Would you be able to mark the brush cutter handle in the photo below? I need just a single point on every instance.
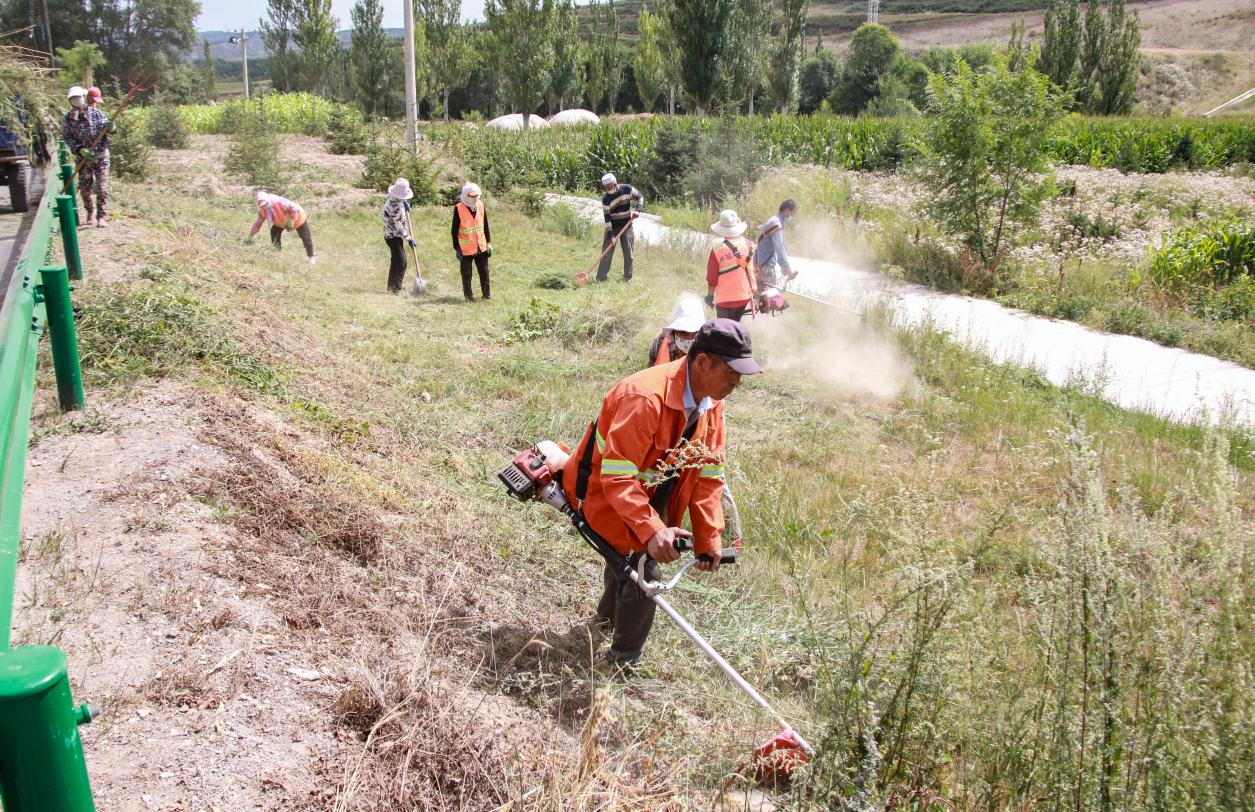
(725, 558)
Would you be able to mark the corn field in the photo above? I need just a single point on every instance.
(299, 113)
(575, 158)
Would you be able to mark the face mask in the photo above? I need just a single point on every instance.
(78, 101)
(788, 218)
(683, 344)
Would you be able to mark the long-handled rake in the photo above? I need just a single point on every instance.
(614, 240)
(419, 287)
(140, 77)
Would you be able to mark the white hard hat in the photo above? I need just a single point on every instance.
(689, 315)
(608, 179)
(76, 90)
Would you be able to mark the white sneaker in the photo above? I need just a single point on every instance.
(311, 260)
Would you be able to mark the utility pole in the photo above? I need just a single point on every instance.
(411, 81)
(873, 11)
(242, 40)
(46, 29)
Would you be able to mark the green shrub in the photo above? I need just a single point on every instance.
(130, 156)
(165, 127)
(347, 132)
(254, 150)
(1204, 256)
(1232, 302)
(387, 159)
(924, 261)
(662, 171)
(728, 164)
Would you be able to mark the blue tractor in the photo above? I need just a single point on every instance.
(15, 165)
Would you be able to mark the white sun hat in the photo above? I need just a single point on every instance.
(76, 90)
(689, 315)
(401, 190)
(608, 179)
(729, 225)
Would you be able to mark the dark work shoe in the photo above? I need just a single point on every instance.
(470, 298)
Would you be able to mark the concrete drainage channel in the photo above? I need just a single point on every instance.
(1128, 372)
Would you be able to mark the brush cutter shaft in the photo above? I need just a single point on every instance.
(723, 664)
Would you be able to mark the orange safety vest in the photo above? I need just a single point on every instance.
(471, 229)
(285, 214)
(736, 276)
(664, 351)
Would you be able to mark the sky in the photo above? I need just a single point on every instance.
(227, 15)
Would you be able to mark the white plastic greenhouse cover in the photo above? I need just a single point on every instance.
(514, 121)
(572, 117)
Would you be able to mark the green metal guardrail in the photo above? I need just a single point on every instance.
(41, 756)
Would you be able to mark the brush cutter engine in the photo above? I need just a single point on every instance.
(530, 475)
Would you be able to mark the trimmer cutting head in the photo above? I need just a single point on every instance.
(777, 758)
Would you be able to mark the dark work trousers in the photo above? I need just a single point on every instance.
(734, 313)
(628, 610)
(627, 242)
(481, 264)
(397, 266)
(276, 237)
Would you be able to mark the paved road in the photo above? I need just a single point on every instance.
(1128, 372)
(13, 229)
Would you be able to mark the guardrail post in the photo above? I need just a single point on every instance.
(63, 336)
(69, 235)
(41, 755)
(68, 185)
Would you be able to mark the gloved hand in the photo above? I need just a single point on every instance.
(709, 300)
(412, 244)
(86, 153)
(458, 253)
(489, 251)
(110, 127)
(406, 204)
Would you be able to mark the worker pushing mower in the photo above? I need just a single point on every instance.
(654, 453)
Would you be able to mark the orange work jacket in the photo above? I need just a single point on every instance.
(471, 229)
(736, 275)
(641, 421)
(664, 351)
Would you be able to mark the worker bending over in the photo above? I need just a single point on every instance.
(674, 340)
(654, 454)
(472, 240)
(282, 215)
(620, 204)
(730, 279)
(771, 258)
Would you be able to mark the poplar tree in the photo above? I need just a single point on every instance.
(786, 56)
(448, 47)
(1061, 43)
(208, 77)
(747, 51)
(315, 32)
(702, 31)
(277, 29)
(1119, 63)
(605, 57)
(568, 56)
(370, 55)
(648, 60)
(521, 33)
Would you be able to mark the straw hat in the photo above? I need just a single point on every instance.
(401, 190)
(729, 225)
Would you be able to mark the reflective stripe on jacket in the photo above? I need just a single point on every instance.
(471, 239)
(736, 283)
(640, 421)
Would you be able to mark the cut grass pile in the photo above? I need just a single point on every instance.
(980, 590)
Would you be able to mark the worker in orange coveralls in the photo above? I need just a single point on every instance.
(654, 454)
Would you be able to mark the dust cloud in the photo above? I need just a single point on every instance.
(838, 351)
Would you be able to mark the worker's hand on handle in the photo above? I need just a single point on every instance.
(412, 243)
(662, 545)
(709, 563)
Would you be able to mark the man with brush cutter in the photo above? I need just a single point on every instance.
(654, 453)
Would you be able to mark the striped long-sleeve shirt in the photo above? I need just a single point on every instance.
(617, 206)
